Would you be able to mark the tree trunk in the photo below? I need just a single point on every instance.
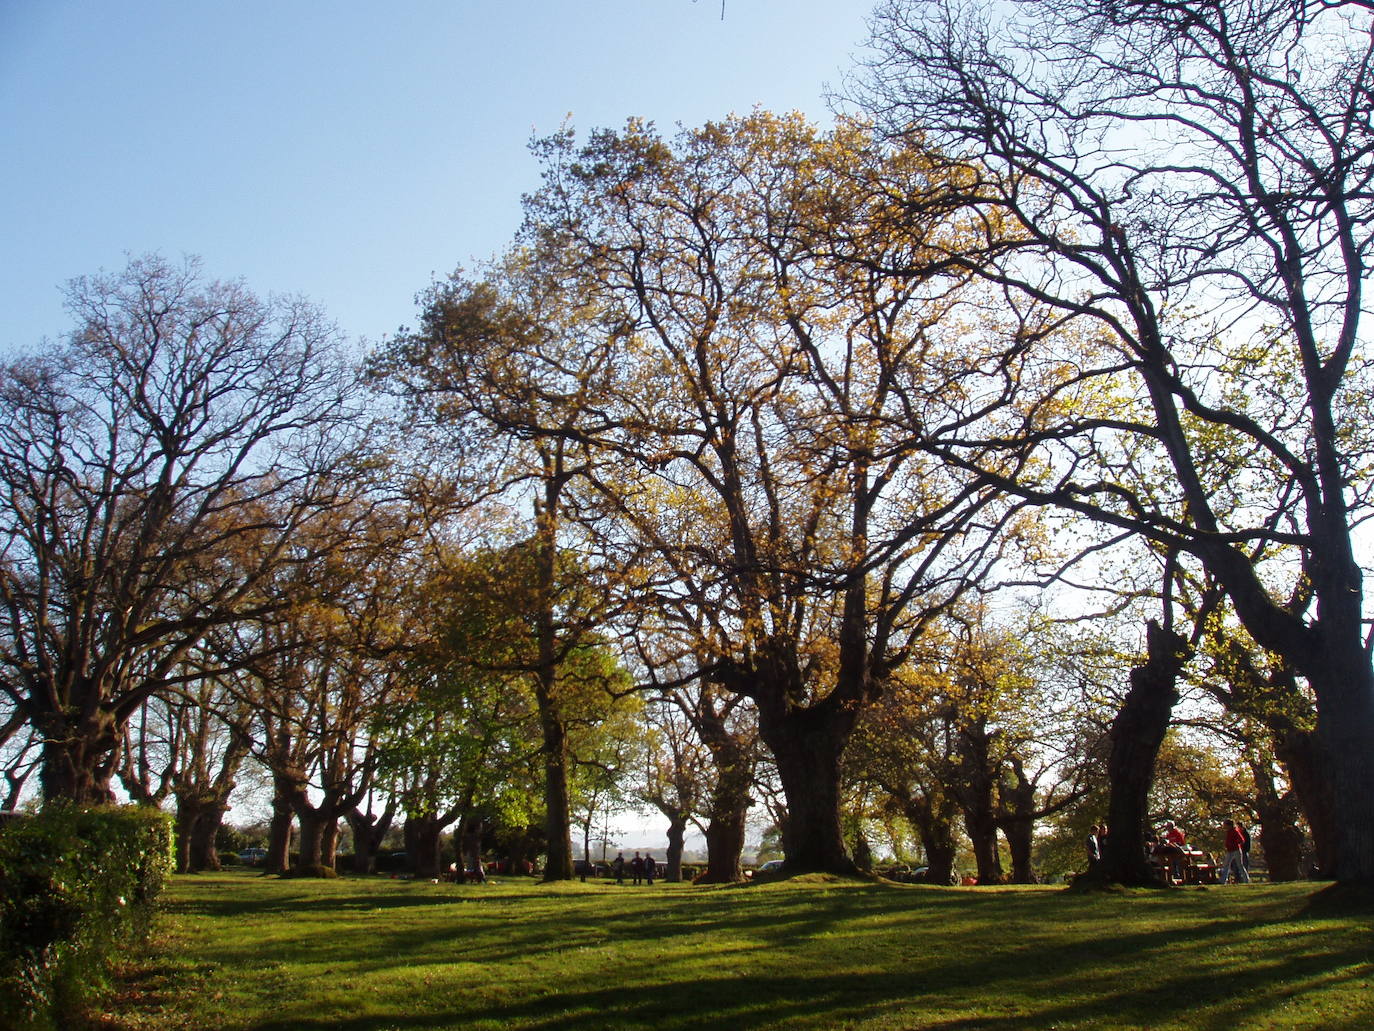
(1137, 733)
(423, 845)
(368, 833)
(1019, 830)
(185, 823)
(521, 846)
(278, 858)
(1016, 819)
(934, 822)
(677, 838)
(977, 798)
(557, 799)
(204, 852)
(1301, 753)
(558, 865)
(469, 836)
(79, 759)
(806, 745)
(1279, 834)
(329, 842)
(734, 760)
(313, 822)
(726, 826)
(981, 826)
(725, 834)
(1345, 726)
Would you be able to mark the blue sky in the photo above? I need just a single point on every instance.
(347, 151)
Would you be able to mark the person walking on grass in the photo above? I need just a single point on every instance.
(1235, 854)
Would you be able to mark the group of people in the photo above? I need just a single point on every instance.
(1169, 849)
(642, 868)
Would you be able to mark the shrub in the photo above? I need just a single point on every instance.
(76, 887)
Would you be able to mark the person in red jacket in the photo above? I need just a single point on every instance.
(1235, 854)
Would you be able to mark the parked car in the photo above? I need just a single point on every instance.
(772, 866)
(253, 855)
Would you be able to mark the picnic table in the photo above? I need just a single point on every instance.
(1184, 864)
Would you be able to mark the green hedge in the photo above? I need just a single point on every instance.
(77, 886)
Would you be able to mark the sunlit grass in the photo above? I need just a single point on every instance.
(239, 951)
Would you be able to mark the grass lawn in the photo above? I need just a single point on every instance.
(241, 951)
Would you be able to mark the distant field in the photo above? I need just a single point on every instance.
(242, 951)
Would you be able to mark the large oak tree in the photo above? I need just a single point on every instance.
(155, 468)
(1187, 186)
(756, 406)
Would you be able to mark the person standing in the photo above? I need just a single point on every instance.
(636, 868)
(650, 868)
(1235, 854)
(618, 867)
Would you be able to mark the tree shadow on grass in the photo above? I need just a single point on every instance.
(1341, 900)
(848, 999)
(956, 992)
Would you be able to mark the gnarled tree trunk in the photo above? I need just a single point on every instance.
(1279, 834)
(933, 817)
(278, 859)
(977, 798)
(1137, 733)
(677, 838)
(806, 746)
(422, 845)
(79, 757)
(368, 834)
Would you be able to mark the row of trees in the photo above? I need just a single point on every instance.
(767, 422)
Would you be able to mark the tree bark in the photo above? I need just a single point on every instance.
(725, 834)
(807, 745)
(311, 856)
(734, 762)
(558, 865)
(368, 833)
(977, 798)
(934, 822)
(185, 823)
(1345, 727)
(278, 859)
(422, 836)
(557, 798)
(730, 802)
(469, 838)
(204, 853)
(1279, 834)
(1301, 753)
(1017, 813)
(329, 842)
(79, 757)
(981, 826)
(1137, 733)
(677, 837)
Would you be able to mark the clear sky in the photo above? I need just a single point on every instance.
(346, 150)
